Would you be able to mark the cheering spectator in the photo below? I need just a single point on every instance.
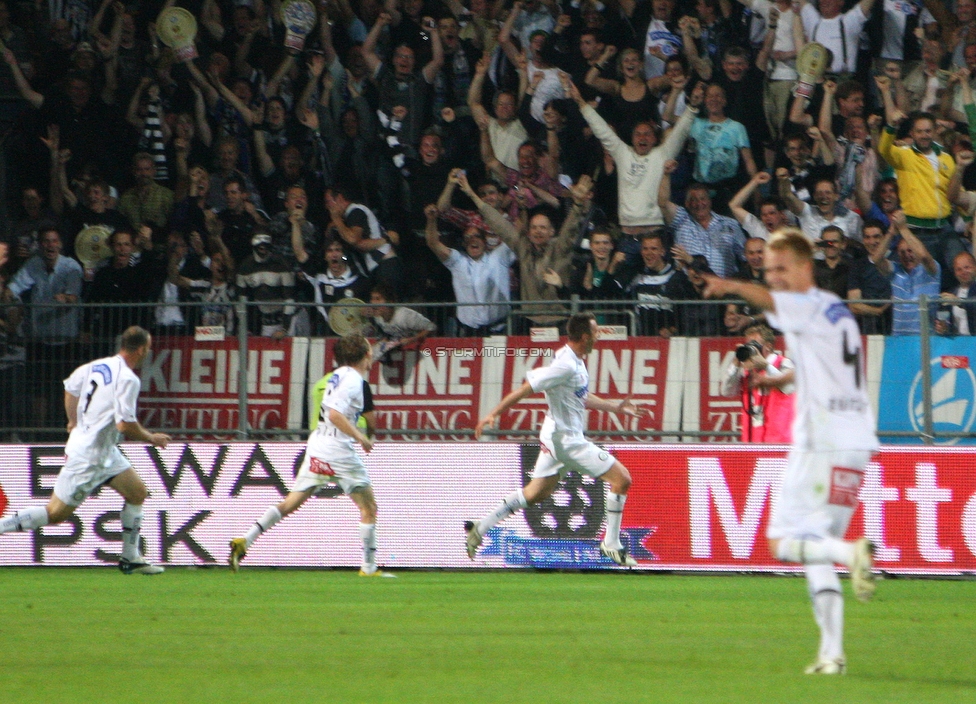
(838, 32)
(400, 86)
(654, 283)
(699, 229)
(331, 277)
(867, 281)
(478, 277)
(923, 170)
(539, 252)
(720, 145)
(825, 211)
(358, 227)
(237, 223)
(915, 274)
(640, 168)
(772, 211)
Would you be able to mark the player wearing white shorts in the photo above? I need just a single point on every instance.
(563, 447)
(100, 401)
(330, 456)
(833, 435)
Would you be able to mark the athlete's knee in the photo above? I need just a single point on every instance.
(57, 512)
(137, 495)
(622, 485)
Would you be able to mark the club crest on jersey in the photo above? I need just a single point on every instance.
(104, 370)
(838, 311)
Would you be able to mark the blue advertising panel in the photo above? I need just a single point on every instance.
(953, 388)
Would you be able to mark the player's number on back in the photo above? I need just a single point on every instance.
(853, 358)
(88, 398)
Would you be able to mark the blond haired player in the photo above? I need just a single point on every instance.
(833, 435)
(330, 456)
(563, 447)
(100, 401)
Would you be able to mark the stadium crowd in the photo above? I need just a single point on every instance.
(482, 152)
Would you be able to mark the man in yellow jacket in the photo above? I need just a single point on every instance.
(923, 170)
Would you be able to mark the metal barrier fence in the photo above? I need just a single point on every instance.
(40, 344)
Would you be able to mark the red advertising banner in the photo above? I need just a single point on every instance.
(691, 507)
(194, 385)
(918, 505)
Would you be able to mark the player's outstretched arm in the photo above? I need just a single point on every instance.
(133, 430)
(624, 407)
(753, 294)
(489, 420)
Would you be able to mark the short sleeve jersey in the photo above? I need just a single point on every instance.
(565, 383)
(824, 342)
(343, 393)
(107, 391)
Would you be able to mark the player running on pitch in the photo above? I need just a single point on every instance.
(833, 435)
(563, 446)
(330, 456)
(100, 400)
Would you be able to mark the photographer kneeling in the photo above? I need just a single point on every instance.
(763, 380)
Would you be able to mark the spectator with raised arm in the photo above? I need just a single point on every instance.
(640, 167)
(924, 170)
(838, 31)
(915, 273)
(655, 284)
(479, 276)
(539, 250)
(700, 230)
(772, 210)
(505, 132)
(826, 209)
(722, 150)
(867, 281)
(400, 85)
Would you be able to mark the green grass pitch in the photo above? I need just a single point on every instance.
(94, 635)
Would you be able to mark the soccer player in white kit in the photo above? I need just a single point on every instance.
(100, 401)
(833, 435)
(330, 456)
(563, 447)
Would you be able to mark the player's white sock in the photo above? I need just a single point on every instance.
(512, 503)
(24, 519)
(367, 532)
(828, 609)
(131, 527)
(615, 513)
(265, 523)
(815, 551)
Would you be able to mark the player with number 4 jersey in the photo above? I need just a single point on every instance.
(100, 401)
(833, 435)
(330, 455)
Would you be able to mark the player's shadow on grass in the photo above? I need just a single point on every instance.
(946, 682)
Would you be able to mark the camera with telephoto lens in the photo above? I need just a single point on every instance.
(748, 350)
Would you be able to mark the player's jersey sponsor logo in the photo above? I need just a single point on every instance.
(953, 394)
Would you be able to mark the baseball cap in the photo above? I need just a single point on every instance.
(260, 239)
